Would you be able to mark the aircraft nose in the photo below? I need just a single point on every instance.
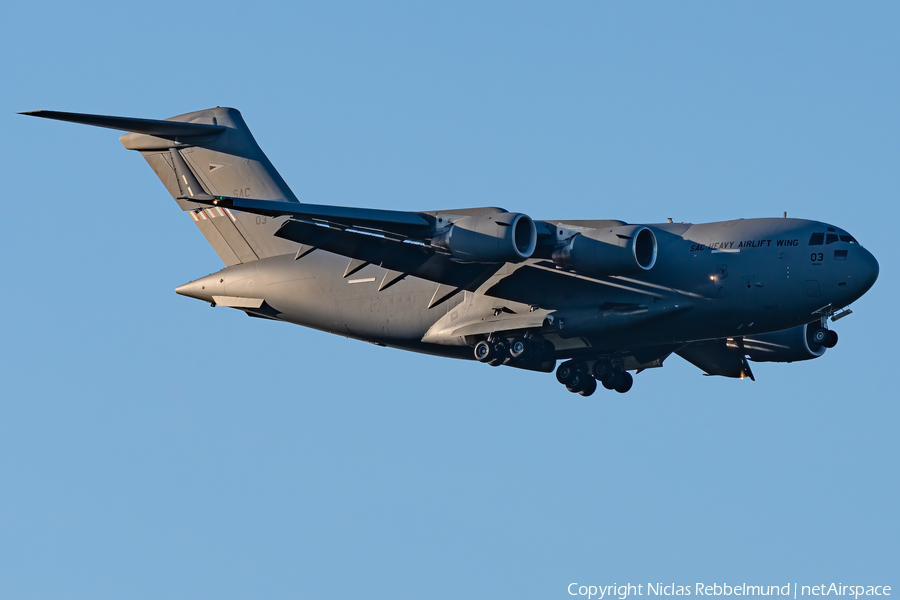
(865, 270)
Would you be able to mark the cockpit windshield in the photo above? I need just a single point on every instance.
(819, 238)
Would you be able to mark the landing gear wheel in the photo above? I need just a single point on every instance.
(601, 369)
(819, 336)
(832, 340)
(483, 351)
(566, 373)
(519, 348)
(589, 388)
(578, 384)
(625, 382)
(500, 354)
(611, 379)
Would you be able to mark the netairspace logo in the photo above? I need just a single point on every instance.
(622, 592)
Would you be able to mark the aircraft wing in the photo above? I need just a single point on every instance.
(402, 258)
(391, 222)
(409, 225)
(540, 283)
(536, 284)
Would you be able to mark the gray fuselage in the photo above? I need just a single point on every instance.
(741, 277)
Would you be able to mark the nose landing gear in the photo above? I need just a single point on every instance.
(823, 337)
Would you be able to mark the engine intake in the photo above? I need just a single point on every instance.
(788, 345)
(499, 237)
(614, 251)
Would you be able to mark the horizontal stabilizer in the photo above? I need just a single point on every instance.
(162, 129)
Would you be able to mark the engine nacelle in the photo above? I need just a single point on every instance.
(609, 251)
(498, 237)
(788, 345)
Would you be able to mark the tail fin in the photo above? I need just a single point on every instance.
(212, 149)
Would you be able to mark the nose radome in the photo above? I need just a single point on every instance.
(865, 271)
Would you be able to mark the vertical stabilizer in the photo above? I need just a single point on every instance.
(208, 151)
(228, 163)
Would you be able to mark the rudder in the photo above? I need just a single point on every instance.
(228, 163)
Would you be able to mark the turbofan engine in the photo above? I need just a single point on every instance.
(789, 345)
(498, 237)
(610, 251)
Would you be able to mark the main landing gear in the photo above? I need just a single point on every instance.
(531, 351)
(524, 351)
(579, 378)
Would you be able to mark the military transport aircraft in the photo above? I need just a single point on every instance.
(604, 296)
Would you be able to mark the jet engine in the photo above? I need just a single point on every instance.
(498, 237)
(610, 251)
(788, 345)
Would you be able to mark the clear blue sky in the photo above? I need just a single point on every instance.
(153, 447)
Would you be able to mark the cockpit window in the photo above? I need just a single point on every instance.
(818, 238)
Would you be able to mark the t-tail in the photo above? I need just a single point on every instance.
(203, 153)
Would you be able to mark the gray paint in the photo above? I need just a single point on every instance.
(717, 294)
